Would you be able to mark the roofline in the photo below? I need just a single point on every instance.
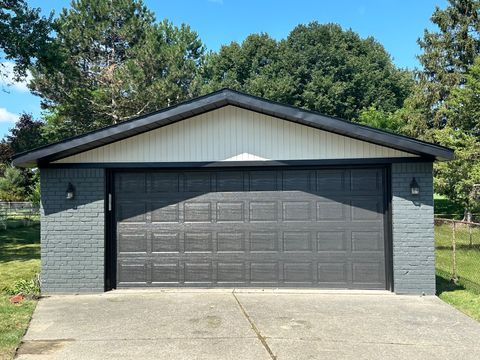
(218, 99)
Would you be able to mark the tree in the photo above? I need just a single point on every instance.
(24, 35)
(318, 67)
(443, 106)
(114, 62)
(457, 178)
(447, 55)
(253, 67)
(381, 119)
(26, 135)
(13, 185)
(463, 106)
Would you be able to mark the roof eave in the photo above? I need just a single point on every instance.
(218, 99)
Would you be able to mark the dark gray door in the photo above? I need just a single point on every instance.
(261, 228)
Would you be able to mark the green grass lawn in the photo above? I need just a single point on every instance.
(19, 260)
(468, 255)
(465, 296)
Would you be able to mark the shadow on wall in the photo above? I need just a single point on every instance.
(164, 194)
(159, 192)
(89, 187)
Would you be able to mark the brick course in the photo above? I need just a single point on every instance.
(72, 231)
(413, 231)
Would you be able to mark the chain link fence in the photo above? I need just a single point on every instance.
(457, 252)
(16, 214)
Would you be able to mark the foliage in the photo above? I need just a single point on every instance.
(447, 55)
(381, 119)
(463, 106)
(318, 67)
(26, 135)
(13, 185)
(24, 34)
(29, 288)
(446, 208)
(34, 190)
(114, 62)
(456, 178)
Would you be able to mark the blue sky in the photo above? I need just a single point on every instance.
(394, 23)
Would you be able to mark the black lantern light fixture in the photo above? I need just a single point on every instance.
(70, 191)
(414, 187)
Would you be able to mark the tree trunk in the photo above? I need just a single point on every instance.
(467, 215)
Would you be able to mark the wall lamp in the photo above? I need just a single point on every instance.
(70, 191)
(414, 187)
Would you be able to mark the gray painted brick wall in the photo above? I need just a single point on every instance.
(413, 231)
(72, 231)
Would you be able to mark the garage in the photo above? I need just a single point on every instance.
(266, 228)
(231, 190)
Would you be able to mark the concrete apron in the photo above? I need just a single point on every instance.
(248, 324)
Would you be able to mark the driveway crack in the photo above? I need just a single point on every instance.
(255, 329)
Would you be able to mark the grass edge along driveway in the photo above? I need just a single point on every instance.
(19, 261)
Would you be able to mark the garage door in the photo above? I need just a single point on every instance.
(261, 228)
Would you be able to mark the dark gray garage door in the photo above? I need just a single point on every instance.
(268, 228)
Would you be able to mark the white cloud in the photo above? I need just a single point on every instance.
(7, 116)
(7, 77)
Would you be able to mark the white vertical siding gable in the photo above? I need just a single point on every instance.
(233, 134)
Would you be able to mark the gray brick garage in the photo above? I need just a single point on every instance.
(230, 190)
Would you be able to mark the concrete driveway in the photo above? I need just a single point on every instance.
(248, 325)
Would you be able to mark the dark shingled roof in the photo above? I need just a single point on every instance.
(215, 100)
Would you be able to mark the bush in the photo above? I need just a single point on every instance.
(28, 288)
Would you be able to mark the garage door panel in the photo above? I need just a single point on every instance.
(331, 182)
(299, 180)
(131, 211)
(165, 211)
(332, 273)
(230, 181)
(198, 272)
(297, 210)
(264, 272)
(261, 211)
(134, 273)
(294, 241)
(263, 241)
(163, 182)
(263, 180)
(311, 228)
(231, 242)
(231, 272)
(166, 273)
(198, 242)
(331, 241)
(133, 242)
(230, 212)
(368, 272)
(330, 210)
(367, 181)
(128, 183)
(367, 241)
(298, 272)
(197, 182)
(166, 242)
